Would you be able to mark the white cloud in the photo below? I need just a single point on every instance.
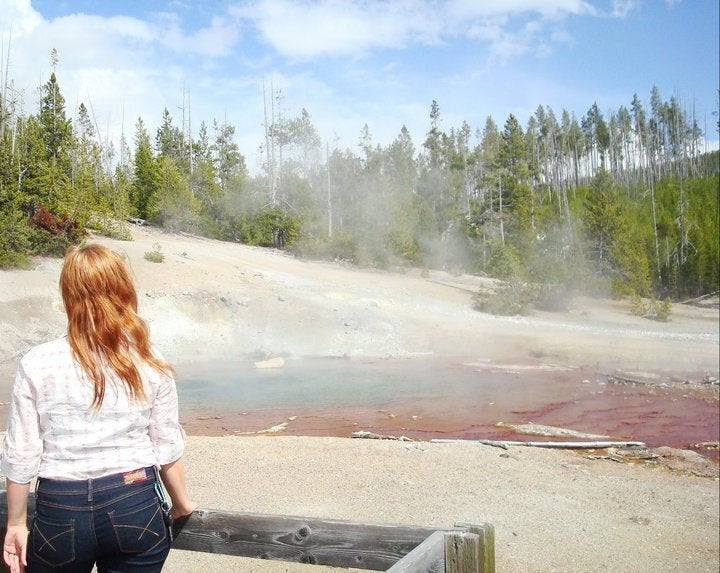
(18, 16)
(464, 9)
(217, 40)
(303, 31)
(119, 65)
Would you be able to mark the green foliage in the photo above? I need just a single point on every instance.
(270, 228)
(404, 245)
(146, 177)
(340, 247)
(510, 298)
(523, 287)
(156, 255)
(603, 220)
(551, 283)
(519, 297)
(15, 238)
(504, 261)
(207, 191)
(174, 206)
(503, 303)
(652, 309)
(48, 244)
(616, 245)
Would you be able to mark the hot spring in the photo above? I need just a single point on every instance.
(427, 398)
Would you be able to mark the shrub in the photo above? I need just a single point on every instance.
(111, 227)
(155, 256)
(652, 309)
(340, 248)
(52, 234)
(504, 261)
(509, 299)
(518, 297)
(15, 238)
(550, 297)
(271, 228)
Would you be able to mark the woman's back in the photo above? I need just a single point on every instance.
(79, 441)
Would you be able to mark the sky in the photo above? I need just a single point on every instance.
(356, 62)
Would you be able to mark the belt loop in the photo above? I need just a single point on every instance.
(90, 489)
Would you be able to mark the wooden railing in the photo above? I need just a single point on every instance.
(462, 548)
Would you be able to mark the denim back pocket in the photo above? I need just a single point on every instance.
(141, 529)
(53, 542)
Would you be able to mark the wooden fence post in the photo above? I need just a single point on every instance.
(486, 547)
(461, 552)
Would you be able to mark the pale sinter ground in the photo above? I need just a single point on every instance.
(553, 511)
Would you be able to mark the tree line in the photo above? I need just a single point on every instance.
(624, 201)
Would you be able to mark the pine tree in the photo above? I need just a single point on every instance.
(603, 220)
(145, 183)
(516, 194)
(616, 246)
(49, 144)
(401, 180)
(175, 207)
(229, 162)
(169, 142)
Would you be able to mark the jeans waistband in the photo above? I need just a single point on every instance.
(138, 476)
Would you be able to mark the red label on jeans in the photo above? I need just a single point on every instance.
(133, 476)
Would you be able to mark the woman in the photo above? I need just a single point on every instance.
(93, 415)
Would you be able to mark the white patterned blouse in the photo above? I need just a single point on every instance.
(53, 431)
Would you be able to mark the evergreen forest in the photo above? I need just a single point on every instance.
(622, 202)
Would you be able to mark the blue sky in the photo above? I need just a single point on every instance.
(356, 62)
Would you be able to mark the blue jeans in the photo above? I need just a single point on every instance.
(114, 521)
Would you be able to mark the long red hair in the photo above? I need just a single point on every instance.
(104, 328)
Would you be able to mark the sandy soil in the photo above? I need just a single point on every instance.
(553, 510)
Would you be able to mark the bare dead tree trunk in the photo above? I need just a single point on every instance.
(329, 192)
(279, 135)
(269, 149)
(4, 85)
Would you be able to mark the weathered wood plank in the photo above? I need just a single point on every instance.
(486, 548)
(461, 552)
(428, 557)
(306, 540)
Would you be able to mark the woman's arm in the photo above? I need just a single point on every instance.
(15, 544)
(169, 440)
(173, 477)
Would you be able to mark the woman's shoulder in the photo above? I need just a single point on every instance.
(53, 350)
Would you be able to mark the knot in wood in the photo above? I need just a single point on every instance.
(302, 533)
